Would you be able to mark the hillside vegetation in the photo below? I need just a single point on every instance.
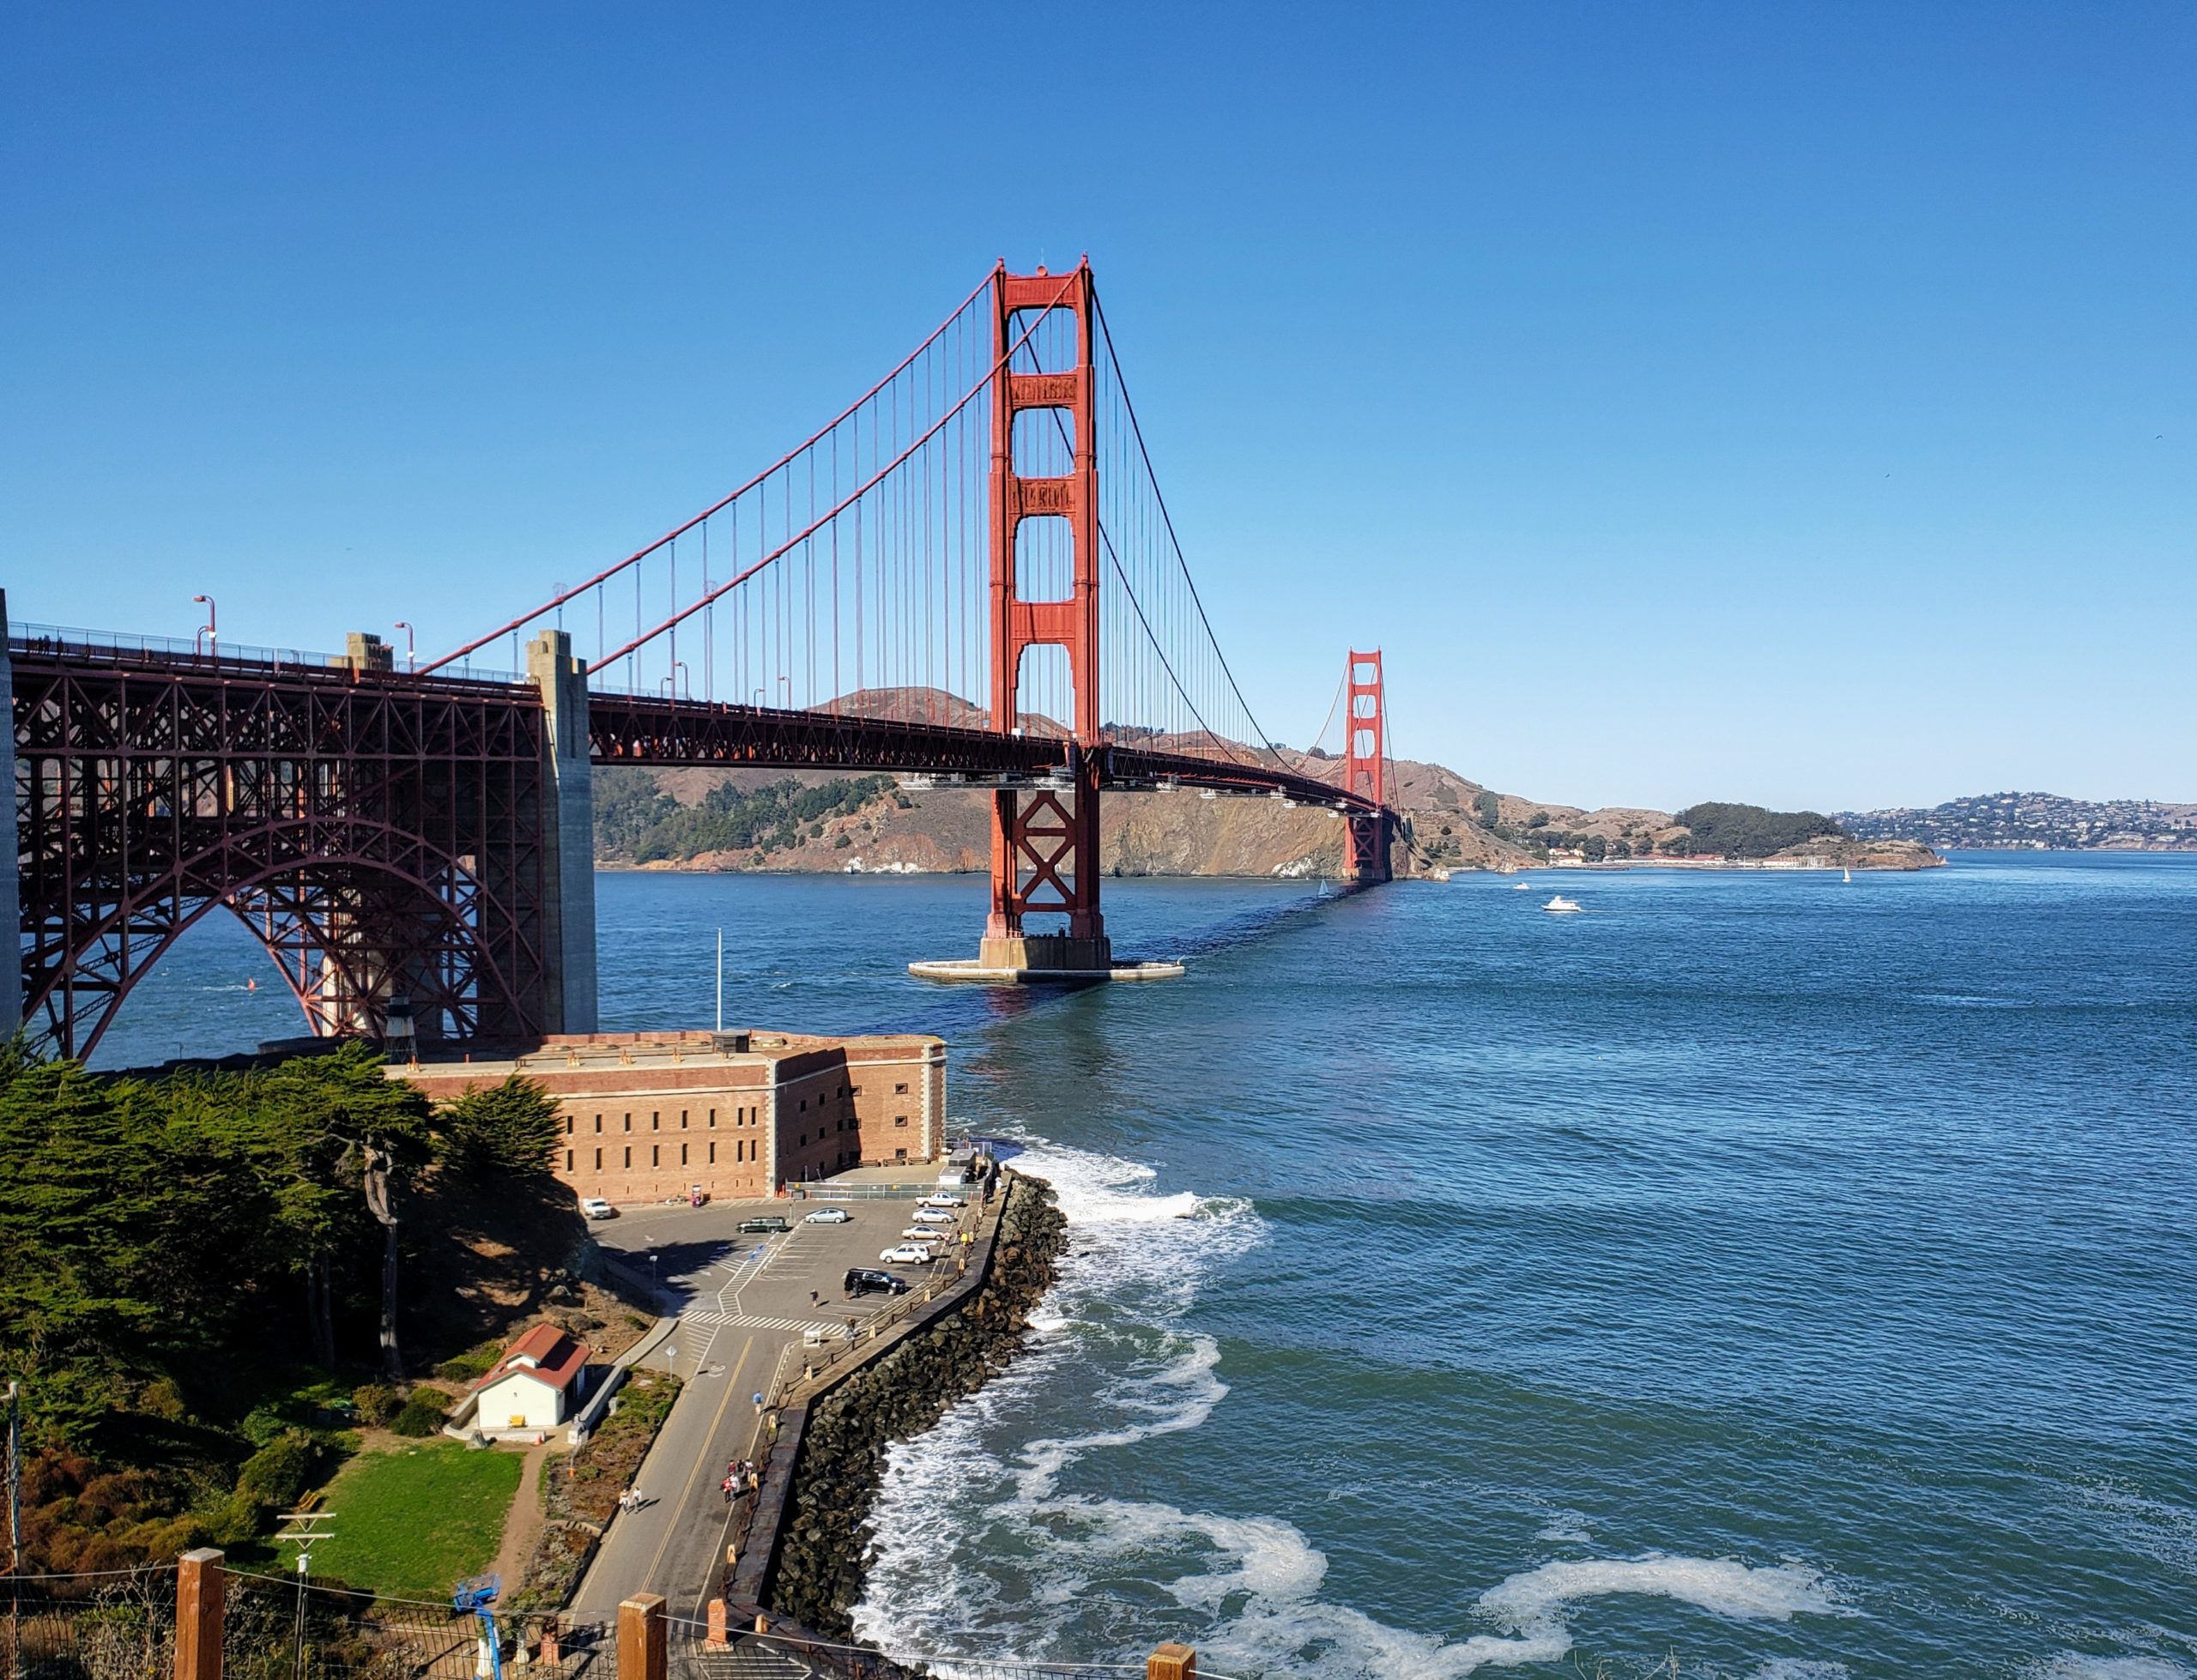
(635, 822)
(1748, 831)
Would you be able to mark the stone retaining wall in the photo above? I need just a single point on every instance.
(815, 1575)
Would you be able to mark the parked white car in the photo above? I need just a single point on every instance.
(932, 1215)
(596, 1208)
(826, 1216)
(908, 1253)
(940, 1201)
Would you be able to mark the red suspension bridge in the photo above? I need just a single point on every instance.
(969, 577)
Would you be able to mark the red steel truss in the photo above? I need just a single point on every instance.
(382, 835)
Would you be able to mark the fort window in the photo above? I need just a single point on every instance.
(900, 1155)
(629, 1155)
(598, 1160)
(656, 1155)
(713, 1153)
(568, 1160)
(682, 1155)
(598, 1123)
(629, 1122)
(713, 1119)
(569, 1124)
(655, 1120)
(900, 1120)
(900, 1090)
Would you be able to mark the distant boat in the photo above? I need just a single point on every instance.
(1846, 874)
(1561, 905)
(1522, 886)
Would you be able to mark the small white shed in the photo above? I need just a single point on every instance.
(536, 1385)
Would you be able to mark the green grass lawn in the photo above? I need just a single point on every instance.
(411, 1521)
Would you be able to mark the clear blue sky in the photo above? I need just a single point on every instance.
(1778, 401)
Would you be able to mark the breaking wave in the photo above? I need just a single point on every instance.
(977, 1550)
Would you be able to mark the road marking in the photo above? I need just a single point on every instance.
(672, 1526)
(746, 1321)
(732, 1386)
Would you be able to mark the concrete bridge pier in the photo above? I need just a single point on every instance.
(568, 834)
(11, 894)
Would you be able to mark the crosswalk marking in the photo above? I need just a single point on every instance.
(746, 1320)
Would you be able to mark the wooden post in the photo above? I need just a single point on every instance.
(199, 1596)
(717, 1640)
(641, 1637)
(549, 1655)
(1171, 1662)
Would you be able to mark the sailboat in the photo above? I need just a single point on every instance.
(1846, 874)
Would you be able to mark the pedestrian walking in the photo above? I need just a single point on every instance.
(816, 1301)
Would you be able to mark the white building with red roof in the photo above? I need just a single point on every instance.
(537, 1384)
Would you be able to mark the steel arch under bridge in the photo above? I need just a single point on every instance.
(388, 836)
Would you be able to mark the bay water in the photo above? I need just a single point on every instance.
(1754, 1275)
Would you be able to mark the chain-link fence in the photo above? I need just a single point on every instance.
(272, 1629)
(123, 1626)
(116, 1625)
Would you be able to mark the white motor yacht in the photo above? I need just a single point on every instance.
(1561, 905)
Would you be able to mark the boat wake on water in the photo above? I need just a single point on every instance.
(981, 1551)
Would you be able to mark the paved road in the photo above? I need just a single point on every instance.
(741, 1301)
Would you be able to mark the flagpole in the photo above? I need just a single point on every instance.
(720, 980)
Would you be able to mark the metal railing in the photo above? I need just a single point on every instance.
(115, 647)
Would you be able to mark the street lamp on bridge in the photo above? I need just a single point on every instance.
(411, 648)
(208, 639)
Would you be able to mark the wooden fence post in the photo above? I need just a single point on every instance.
(717, 1640)
(641, 1630)
(199, 1596)
(1171, 1662)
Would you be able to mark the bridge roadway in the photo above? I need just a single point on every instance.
(635, 729)
(742, 1300)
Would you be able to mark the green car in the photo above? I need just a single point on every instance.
(765, 1222)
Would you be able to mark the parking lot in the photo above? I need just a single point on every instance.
(741, 1299)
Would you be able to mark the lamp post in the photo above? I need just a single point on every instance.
(788, 681)
(208, 639)
(411, 648)
(759, 698)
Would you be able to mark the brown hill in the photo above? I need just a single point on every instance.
(1455, 823)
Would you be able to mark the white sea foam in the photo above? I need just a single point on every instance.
(1799, 1668)
(972, 1530)
(2073, 1666)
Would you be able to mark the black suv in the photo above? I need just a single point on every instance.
(765, 1222)
(867, 1280)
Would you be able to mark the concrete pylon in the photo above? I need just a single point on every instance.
(11, 894)
(568, 826)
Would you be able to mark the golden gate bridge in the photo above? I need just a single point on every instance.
(970, 575)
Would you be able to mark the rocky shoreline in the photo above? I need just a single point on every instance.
(818, 1573)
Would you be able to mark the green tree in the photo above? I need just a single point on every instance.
(509, 1127)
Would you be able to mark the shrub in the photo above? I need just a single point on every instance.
(473, 1362)
(423, 1414)
(376, 1403)
(279, 1472)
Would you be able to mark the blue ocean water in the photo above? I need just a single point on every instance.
(1755, 1275)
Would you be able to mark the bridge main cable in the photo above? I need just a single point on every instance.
(712, 511)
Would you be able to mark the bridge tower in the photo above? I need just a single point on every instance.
(1045, 840)
(1365, 757)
